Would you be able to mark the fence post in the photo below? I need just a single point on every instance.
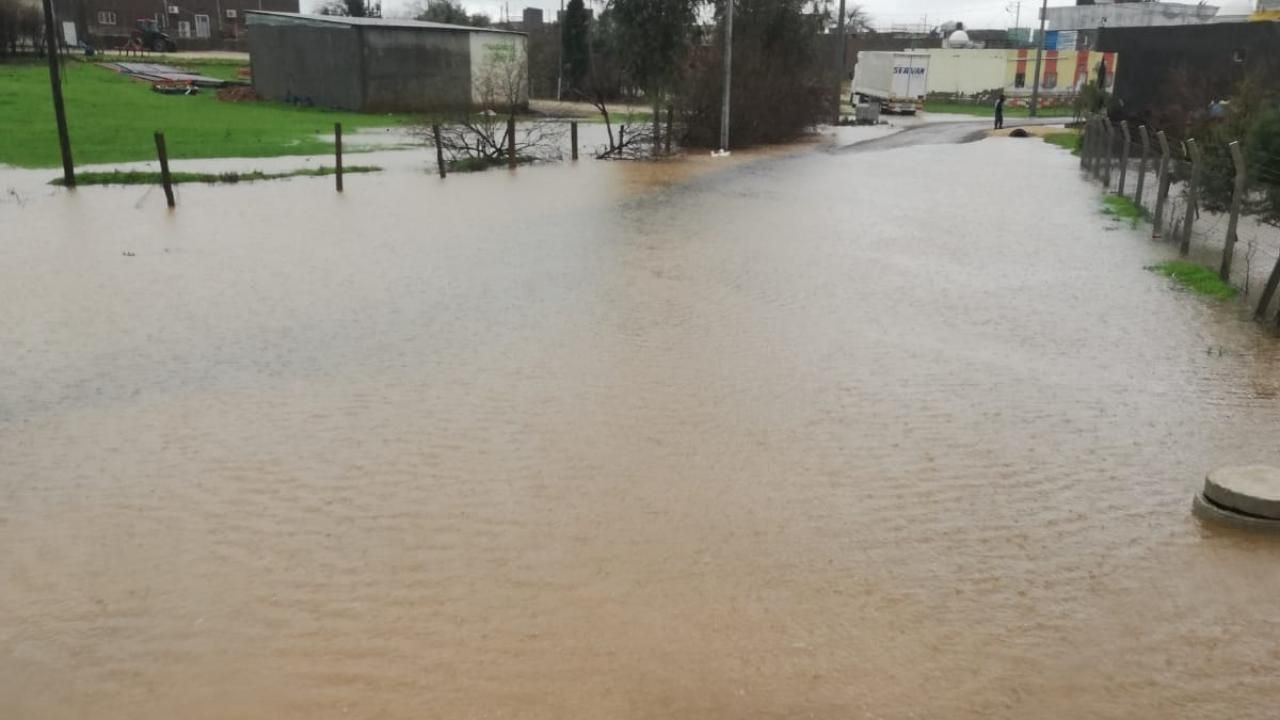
(511, 142)
(1110, 138)
(1091, 149)
(1193, 196)
(1085, 138)
(1142, 164)
(1237, 195)
(1162, 185)
(1268, 291)
(573, 137)
(337, 155)
(670, 116)
(165, 178)
(435, 132)
(622, 137)
(1124, 156)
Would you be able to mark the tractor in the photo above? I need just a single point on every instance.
(148, 36)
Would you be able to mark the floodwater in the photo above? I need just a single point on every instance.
(906, 434)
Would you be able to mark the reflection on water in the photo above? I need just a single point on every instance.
(617, 440)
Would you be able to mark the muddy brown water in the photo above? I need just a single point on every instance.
(907, 434)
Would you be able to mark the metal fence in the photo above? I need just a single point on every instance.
(1166, 180)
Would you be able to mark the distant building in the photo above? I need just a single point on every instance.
(192, 24)
(1095, 15)
(385, 65)
(1217, 56)
(967, 72)
(532, 19)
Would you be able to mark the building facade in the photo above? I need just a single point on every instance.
(386, 65)
(1063, 73)
(191, 24)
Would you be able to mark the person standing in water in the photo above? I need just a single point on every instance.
(1000, 111)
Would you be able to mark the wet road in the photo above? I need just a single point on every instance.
(821, 435)
(940, 133)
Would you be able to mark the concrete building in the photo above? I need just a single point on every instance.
(1105, 13)
(386, 65)
(970, 72)
(1212, 58)
(192, 24)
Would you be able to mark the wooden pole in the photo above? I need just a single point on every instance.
(55, 84)
(1086, 137)
(670, 116)
(622, 137)
(1124, 155)
(573, 138)
(1193, 196)
(1142, 164)
(1268, 291)
(337, 155)
(1237, 195)
(1162, 185)
(838, 51)
(165, 179)
(511, 142)
(435, 131)
(1108, 137)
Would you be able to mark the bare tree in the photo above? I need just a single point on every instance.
(473, 141)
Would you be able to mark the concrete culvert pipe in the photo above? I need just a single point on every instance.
(1250, 489)
(1018, 132)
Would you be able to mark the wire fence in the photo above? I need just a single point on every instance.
(1216, 202)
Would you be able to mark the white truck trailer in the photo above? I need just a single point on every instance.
(896, 80)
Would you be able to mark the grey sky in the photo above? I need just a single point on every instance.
(973, 13)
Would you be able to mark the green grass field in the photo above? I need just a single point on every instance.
(112, 118)
(986, 110)
(1069, 140)
(1196, 278)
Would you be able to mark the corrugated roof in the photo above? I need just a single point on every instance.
(379, 22)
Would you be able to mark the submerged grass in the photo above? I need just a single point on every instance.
(1196, 278)
(1069, 140)
(989, 110)
(1122, 208)
(148, 177)
(112, 118)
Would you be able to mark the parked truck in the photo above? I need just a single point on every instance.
(896, 80)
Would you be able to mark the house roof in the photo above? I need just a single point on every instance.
(377, 22)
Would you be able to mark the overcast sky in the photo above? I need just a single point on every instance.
(973, 13)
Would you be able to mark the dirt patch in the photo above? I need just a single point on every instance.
(238, 93)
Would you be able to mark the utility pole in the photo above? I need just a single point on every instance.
(55, 83)
(560, 75)
(728, 75)
(1035, 84)
(839, 53)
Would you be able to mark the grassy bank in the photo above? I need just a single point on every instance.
(112, 117)
(1122, 208)
(1069, 140)
(1196, 278)
(987, 110)
(147, 177)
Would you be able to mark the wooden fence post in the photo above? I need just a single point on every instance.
(1085, 138)
(670, 117)
(1193, 196)
(622, 137)
(1237, 195)
(165, 178)
(573, 138)
(337, 155)
(1124, 156)
(435, 131)
(1268, 291)
(1162, 185)
(1142, 164)
(1110, 138)
(511, 142)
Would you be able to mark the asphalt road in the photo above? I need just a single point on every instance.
(940, 133)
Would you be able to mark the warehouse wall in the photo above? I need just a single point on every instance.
(499, 69)
(307, 63)
(410, 70)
